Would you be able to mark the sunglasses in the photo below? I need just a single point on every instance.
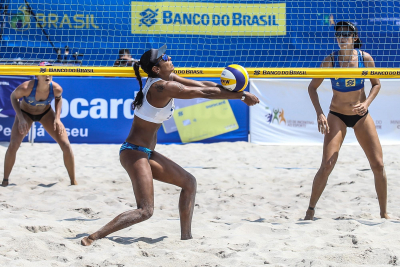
(164, 57)
(343, 34)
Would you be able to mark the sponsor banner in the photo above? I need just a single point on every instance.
(21, 19)
(66, 71)
(204, 72)
(323, 73)
(98, 110)
(286, 115)
(277, 73)
(202, 18)
(101, 71)
(7, 86)
(55, 71)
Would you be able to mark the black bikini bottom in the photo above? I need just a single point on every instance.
(36, 117)
(349, 120)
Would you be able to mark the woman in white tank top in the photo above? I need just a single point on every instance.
(153, 105)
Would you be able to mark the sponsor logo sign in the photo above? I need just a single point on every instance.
(22, 20)
(279, 72)
(350, 82)
(275, 115)
(208, 18)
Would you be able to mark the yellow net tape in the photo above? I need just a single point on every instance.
(205, 72)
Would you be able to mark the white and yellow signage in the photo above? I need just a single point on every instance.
(208, 18)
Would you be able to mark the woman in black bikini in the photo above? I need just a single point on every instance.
(349, 108)
(30, 109)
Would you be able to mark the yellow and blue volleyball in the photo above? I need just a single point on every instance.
(234, 78)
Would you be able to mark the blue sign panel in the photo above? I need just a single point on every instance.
(98, 110)
(7, 85)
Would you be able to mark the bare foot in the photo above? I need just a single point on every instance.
(4, 183)
(86, 241)
(385, 216)
(309, 215)
(74, 182)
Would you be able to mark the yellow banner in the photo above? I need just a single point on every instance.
(205, 72)
(323, 73)
(202, 18)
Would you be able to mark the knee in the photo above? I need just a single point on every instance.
(13, 147)
(146, 212)
(377, 166)
(65, 146)
(191, 183)
(327, 166)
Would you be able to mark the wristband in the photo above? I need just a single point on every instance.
(243, 96)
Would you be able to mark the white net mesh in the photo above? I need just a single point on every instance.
(198, 33)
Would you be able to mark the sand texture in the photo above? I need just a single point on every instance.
(250, 205)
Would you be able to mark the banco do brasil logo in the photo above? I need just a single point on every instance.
(148, 17)
(22, 20)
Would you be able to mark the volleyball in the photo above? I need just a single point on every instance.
(234, 78)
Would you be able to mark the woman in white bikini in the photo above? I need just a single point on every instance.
(153, 105)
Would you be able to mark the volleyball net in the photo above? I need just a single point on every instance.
(273, 39)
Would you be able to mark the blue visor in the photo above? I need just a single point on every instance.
(161, 50)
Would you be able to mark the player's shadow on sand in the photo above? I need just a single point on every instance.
(46, 185)
(125, 240)
(78, 219)
(302, 221)
(260, 220)
(364, 222)
(130, 240)
(77, 236)
(369, 222)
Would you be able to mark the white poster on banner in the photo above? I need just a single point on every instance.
(286, 115)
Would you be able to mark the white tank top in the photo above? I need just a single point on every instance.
(152, 114)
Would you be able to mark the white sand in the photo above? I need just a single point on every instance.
(249, 209)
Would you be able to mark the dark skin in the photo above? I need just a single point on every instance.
(142, 171)
(51, 123)
(334, 129)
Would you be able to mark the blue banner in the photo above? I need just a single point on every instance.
(7, 86)
(98, 110)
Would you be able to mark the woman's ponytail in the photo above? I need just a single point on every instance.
(139, 97)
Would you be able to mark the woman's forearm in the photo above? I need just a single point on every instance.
(57, 105)
(16, 106)
(373, 93)
(210, 84)
(315, 100)
(219, 93)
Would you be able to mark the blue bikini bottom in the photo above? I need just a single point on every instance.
(130, 146)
